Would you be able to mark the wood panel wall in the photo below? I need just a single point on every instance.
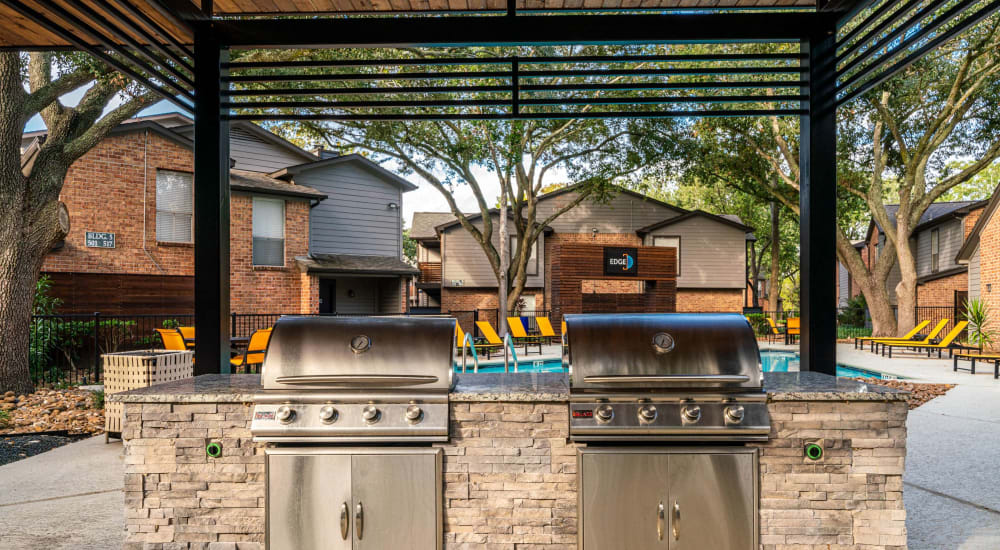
(575, 263)
(114, 294)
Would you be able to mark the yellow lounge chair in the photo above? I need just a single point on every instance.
(908, 336)
(480, 347)
(545, 328)
(172, 340)
(491, 334)
(973, 357)
(948, 342)
(521, 335)
(927, 340)
(254, 354)
(188, 334)
(774, 332)
(793, 328)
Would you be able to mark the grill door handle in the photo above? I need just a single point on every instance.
(345, 521)
(660, 518)
(676, 523)
(359, 520)
(633, 378)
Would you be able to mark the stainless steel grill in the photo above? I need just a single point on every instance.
(674, 377)
(356, 379)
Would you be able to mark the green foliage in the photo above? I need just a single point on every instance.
(4, 419)
(409, 247)
(44, 304)
(978, 188)
(97, 399)
(171, 324)
(854, 314)
(759, 323)
(977, 312)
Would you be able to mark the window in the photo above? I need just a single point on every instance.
(935, 250)
(268, 232)
(174, 206)
(532, 267)
(670, 242)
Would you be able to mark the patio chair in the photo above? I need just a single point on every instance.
(188, 334)
(172, 339)
(973, 357)
(521, 335)
(491, 334)
(480, 346)
(254, 354)
(929, 339)
(793, 328)
(545, 328)
(860, 340)
(946, 343)
(773, 330)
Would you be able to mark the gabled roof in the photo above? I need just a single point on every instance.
(937, 212)
(261, 184)
(726, 220)
(972, 241)
(361, 161)
(422, 227)
(360, 265)
(257, 131)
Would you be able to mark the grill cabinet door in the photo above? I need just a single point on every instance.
(306, 497)
(713, 495)
(620, 501)
(396, 500)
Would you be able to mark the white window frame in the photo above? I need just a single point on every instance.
(162, 211)
(677, 246)
(935, 250)
(253, 231)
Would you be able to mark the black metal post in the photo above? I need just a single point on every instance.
(97, 347)
(818, 175)
(211, 206)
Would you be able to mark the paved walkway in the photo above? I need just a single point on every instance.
(67, 498)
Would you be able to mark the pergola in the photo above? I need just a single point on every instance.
(180, 49)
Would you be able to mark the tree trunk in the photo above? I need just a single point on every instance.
(502, 308)
(17, 290)
(774, 284)
(906, 290)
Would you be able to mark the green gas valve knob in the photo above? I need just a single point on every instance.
(814, 451)
(213, 450)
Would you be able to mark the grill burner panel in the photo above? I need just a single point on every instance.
(665, 377)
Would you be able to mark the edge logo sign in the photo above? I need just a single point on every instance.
(620, 261)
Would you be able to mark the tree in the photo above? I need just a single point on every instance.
(32, 219)
(522, 156)
(409, 248)
(896, 145)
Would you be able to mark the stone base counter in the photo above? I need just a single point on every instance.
(509, 469)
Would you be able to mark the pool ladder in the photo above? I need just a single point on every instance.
(508, 344)
(467, 343)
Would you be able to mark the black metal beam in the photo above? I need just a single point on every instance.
(875, 23)
(899, 32)
(540, 29)
(818, 218)
(522, 116)
(128, 22)
(70, 37)
(365, 91)
(211, 206)
(148, 21)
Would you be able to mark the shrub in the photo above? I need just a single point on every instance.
(759, 323)
(4, 419)
(977, 312)
(97, 399)
(854, 314)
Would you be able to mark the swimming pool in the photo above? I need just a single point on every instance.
(771, 361)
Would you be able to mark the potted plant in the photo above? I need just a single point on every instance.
(977, 313)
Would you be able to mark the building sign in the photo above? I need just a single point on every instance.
(100, 240)
(620, 262)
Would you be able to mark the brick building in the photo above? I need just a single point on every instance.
(940, 233)
(712, 276)
(981, 255)
(130, 246)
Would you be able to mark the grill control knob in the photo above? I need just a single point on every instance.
(735, 414)
(414, 414)
(284, 414)
(647, 413)
(604, 413)
(328, 414)
(371, 414)
(692, 413)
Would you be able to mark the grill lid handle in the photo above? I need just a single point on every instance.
(631, 378)
(357, 379)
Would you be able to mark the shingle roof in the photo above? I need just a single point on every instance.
(424, 223)
(346, 263)
(257, 182)
(934, 211)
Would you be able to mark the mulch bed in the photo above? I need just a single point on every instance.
(68, 410)
(18, 447)
(919, 393)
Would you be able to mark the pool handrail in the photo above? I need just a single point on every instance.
(467, 342)
(508, 344)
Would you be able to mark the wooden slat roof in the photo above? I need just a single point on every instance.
(18, 31)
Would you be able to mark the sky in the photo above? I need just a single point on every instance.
(424, 199)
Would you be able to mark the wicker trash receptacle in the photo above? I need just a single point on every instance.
(128, 370)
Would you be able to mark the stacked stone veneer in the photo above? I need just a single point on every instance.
(510, 477)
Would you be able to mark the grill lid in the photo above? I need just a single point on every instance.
(320, 353)
(611, 352)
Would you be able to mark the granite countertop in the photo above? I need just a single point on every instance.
(538, 387)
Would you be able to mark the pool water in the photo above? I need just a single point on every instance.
(771, 361)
